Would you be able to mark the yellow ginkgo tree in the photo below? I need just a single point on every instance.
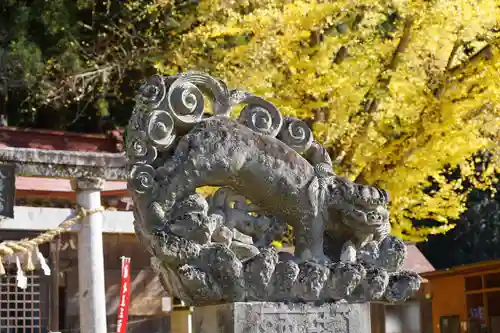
(397, 90)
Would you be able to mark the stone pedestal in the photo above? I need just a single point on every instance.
(269, 317)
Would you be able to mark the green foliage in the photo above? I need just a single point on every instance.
(72, 64)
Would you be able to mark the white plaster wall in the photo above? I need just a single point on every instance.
(44, 218)
(411, 317)
(403, 318)
(393, 322)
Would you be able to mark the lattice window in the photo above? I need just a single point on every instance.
(20, 309)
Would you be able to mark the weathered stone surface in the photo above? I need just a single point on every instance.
(344, 278)
(223, 235)
(173, 249)
(401, 285)
(285, 256)
(65, 164)
(226, 269)
(195, 279)
(271, 175)
(258, 271)
(267, 317)
(194, 226)
(369, 254)
(243, 251)
(310, 281)
(193, 203)
(284, 277)
(88, 183)
(241, 237)
(392, 254)
(372, 287)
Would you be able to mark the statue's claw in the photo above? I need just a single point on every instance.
(348, 253)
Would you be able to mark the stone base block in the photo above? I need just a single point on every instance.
(269, 317)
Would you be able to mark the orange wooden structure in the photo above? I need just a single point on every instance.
(466, 298)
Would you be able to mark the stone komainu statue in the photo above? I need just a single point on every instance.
(271, 173)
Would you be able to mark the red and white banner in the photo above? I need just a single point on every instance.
(121, 325)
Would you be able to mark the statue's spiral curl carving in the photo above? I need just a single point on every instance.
(185, 102)
(261, 116)
(153, 91)
(296, 134)
(323, 169)
(142, 178)
(141, 152)
(161, 129)
(186, 94)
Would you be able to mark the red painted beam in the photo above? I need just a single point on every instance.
(111, 142)
(61, 188)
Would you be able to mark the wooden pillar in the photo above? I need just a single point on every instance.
(181, 321)
(55, 247)
(377, 314)
(181, 318)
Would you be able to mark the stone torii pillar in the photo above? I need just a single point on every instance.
(91, 286)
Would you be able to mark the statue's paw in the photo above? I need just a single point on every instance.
(343, 279)
(372, 287)
(226, 269)
(369, 254)
(172, 249)
(200, 286)
(258, 272)
(284, 277)
(310, 281)
(194, 226)
(402, 286)
(348, 252)
(392, 253)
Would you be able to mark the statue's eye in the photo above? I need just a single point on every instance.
(334, 190)
(384, 195)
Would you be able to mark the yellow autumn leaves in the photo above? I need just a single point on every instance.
(397, 89)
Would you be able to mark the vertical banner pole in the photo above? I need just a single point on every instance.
(121, 325)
